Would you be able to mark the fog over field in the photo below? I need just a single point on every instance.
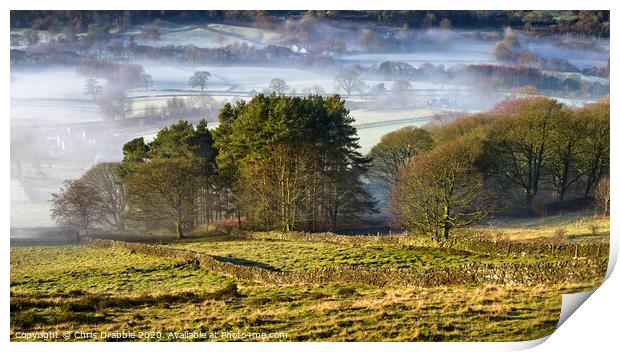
(58, 130)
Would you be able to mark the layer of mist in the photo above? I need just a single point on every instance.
(60, 127)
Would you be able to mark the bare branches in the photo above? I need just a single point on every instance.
(164, 191)
(76, 205)
(440, 190)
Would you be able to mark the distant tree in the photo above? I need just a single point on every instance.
(176, 107)
(31, 36)
(440, 191)
(314, 90)
(394, 151)
(199, 79)
(147, 81)
(429, 19)
(445, 23)
(339, 47)
(278, 86)
(510, 39)
(349, 80)
(361, 88)
(93, 88)
(68, 35)
(76, 205)
(151, 33)
(104, 180)
(502, 52)
(164, 190)
(400, 86)
(377, 89)
(368, 39)
(151, 110)
(405, 32)
(115, 104)
(526, 90)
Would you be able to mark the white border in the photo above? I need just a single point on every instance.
(593, 327)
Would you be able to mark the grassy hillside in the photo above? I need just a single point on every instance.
(573, 226)
(286, 255)
(86, 288)
(81, 288)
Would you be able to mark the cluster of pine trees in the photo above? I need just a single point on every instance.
(275, 162)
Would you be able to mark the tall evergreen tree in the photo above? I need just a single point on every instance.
(293, 162)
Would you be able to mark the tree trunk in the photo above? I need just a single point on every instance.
(529, 198)
(179, 230)
(239, 218)
(446, 231)
(562, 194)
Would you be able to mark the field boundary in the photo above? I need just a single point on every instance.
(502, 248)
(510, 274)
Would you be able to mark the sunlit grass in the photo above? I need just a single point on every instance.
(575, 226)
(73, 288)
(287, 255)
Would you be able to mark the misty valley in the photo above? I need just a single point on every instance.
(306, 175)
(409, 76)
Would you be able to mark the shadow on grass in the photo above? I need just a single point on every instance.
(245, 262)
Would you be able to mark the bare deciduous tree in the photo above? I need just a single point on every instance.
(93, 88)
(103, 178)
(164, 190)
(393, 152)
(597, 146)
(279, 86)
(200, 79)
(76, 205)
(116, 104)
(520, 141)
(440, 190)
(349, 80)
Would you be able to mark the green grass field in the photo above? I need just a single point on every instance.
(79, 288)
(285, 255)
(573, 226)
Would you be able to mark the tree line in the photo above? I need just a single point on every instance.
(293, 163)
(277, 162)
(577, 22)
(522, 157)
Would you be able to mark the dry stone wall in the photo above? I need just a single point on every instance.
(505, 248)
(574, 270)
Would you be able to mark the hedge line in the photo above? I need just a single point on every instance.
(581, 270)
